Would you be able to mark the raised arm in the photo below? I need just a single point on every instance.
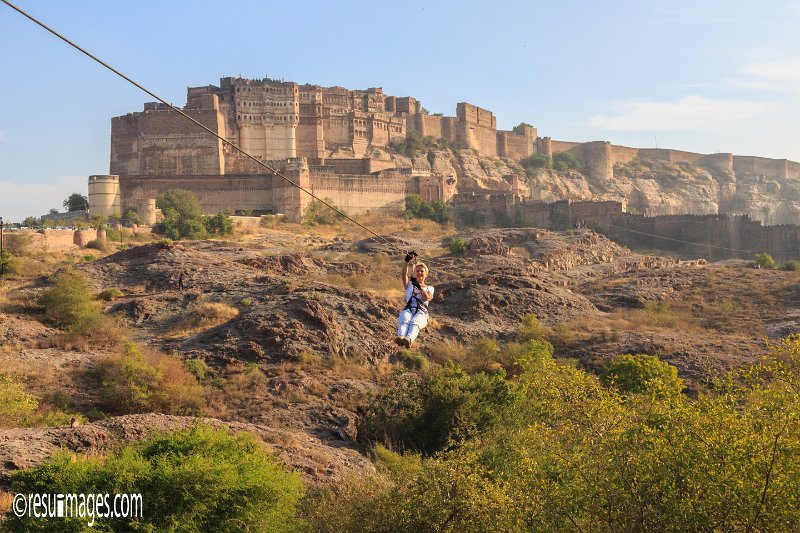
(404, 274)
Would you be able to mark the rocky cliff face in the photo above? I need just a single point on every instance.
(648, 187)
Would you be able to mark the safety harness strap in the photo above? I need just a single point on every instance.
(416, 304)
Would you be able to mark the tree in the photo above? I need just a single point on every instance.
(132, 216)
(520, 128)
(183, 217)
(76, 202)
(31, 222)
(182, 201)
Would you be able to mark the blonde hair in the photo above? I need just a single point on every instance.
(423, 265)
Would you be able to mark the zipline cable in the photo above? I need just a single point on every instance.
(187, 117)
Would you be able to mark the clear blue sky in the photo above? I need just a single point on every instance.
(702, 76)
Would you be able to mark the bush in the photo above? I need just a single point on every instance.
(437, 210)
(566, 453)
(535, 162)
(271, 221)
(640, 373)
(219, 224)
(17, 244)
(183, 218)
(413, 360)
(132, 216)
(433, 411)
(318, 213)
(765, 260)
(458, 245)
(792, 265)
(113, 234)
(9, 263)
(532, 329)
(108, 295)
(563, 161)
(140, 381)
(200, 479)
(68, 304)
(97, 244)
(15, 404)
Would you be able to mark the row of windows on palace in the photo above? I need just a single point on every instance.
(294, 118)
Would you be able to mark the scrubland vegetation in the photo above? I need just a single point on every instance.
(488, 434)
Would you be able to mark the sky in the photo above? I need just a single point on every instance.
(702, 76)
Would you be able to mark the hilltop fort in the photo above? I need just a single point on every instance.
(348, 145)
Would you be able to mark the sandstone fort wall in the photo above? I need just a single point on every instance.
(693, 236)
(359, 193)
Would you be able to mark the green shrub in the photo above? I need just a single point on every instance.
(537, 161)
(563, 161)
(765, 260)
(639, 373)
(458, 245)
(113, 234)
(132, 216)
(437, 210)
(792, 265)
(318, 213)
(15, 404)
(430, 412)
(567, 454)
(9, 263)
(200, 479)
(108, 295)
(532, 329)
(68, 304)
(198, 368)
(183, 217)
(413, 360)
(138, 381)
(219, 224)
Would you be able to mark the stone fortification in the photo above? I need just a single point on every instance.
(344, 143)
(714, 236)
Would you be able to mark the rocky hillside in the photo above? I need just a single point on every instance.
(303, 332)
(649, 187)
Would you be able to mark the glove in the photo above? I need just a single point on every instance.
(415, 283)
(410, 255)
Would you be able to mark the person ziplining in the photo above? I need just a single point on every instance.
(414, 316)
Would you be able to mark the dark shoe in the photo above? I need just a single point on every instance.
(399, 341)
(406, 342)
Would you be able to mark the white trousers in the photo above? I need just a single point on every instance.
(409, 324)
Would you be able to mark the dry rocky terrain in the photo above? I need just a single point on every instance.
(310, 335)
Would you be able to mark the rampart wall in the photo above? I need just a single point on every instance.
(359, 193)
(693, 236)
(56, 240)
(159, 142)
